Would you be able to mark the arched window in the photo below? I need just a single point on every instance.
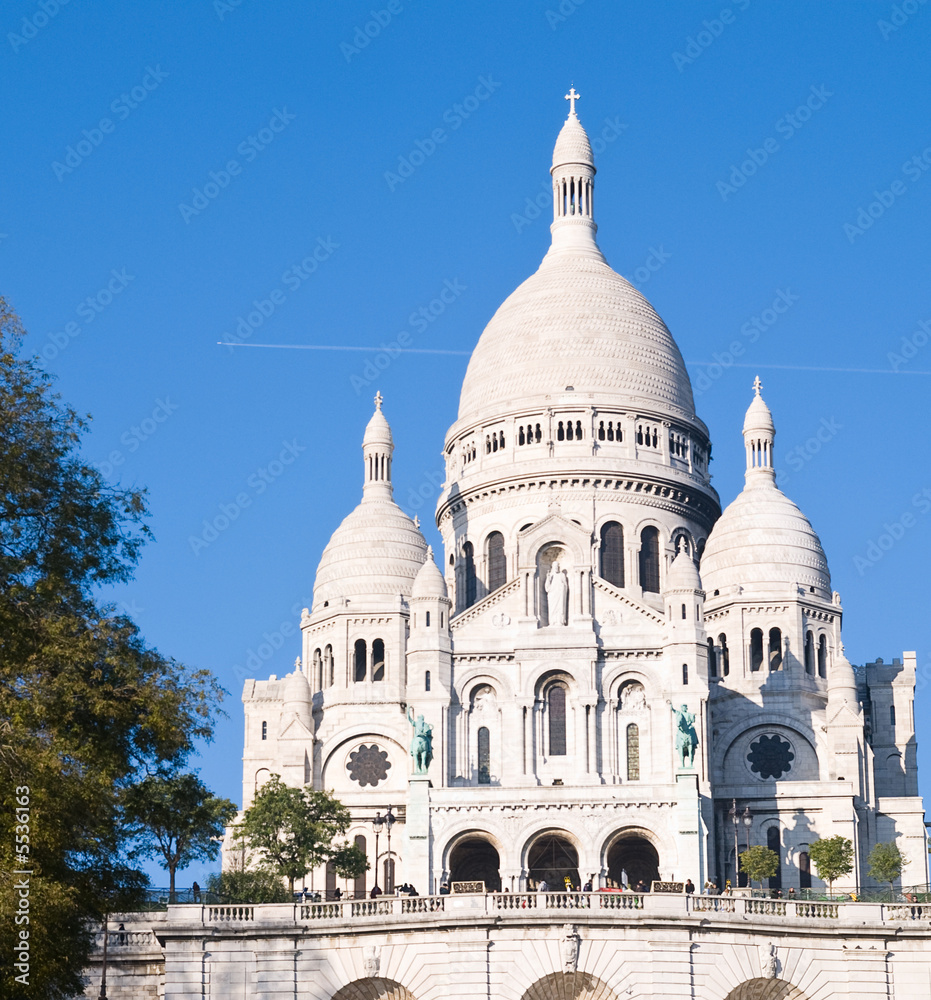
(484, 756)
(359, 657)
(892, 716)
(809, 653)
(712, 659)
(823, 656)
(468, 557)
(264, 730)
(426, 681)
(359, 884)
(649, 560)
(318, 670)
(804, 870)
(725, 655)
(328, 664)
(774, 843)
(378, 659)
(775, 649)
(685, 673)
(556, 720)
(756, 649)
(633, 752)
(426, 619)
(612, 553)
(497, 561)
(389, 876)
(560, 432)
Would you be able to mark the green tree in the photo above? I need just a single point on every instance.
(176, 818)
(249, 885)
(886, 862)
(832, 858)
(759, 862)
(87, 706)
(294, 830)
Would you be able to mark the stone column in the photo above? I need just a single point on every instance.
(418, 853)
(689, 830)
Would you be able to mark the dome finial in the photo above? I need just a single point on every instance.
(759, 435)
(757, 385)
(379, 399)
(572, 97)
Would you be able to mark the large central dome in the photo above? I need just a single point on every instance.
(578, 323)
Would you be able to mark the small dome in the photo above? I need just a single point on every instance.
(296, 689)
(763, 541)
(683, 573)
(842, 681)
(378, 431)
(429, 581)
(759, 417)
(374, 555)
(572, 145)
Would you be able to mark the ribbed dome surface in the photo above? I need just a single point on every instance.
(683, 573)
(429, 581)
(576, 322)
(375, 554)
(572, 145)
(762, 539)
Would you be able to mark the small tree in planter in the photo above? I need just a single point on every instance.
(759, 862)
(832, 858)
(886, 862)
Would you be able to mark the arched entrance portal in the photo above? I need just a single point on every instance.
(633, 859)
(475, 860)
(553, 858)
(765, 989)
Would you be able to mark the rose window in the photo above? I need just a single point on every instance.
(368, 765)
(770, 756)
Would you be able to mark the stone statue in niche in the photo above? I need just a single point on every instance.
(557, 595)
(686, 736)
(371, 960)
(633, 698)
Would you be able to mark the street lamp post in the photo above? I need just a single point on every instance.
(377, 824)
(389, 874)
(747, 819)
(734, 817)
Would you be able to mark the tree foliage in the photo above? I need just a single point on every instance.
(249, 885)
(759, 862)
(87, 706)
(832, 858)
(176, 818)
(886, 862)
(294, 830)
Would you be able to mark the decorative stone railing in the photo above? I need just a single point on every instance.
(422, 911)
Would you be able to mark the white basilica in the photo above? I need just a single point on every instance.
(622, 681)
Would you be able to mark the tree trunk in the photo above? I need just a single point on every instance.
(171, 883)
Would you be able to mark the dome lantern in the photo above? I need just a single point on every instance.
(377, 449)
(759, 434)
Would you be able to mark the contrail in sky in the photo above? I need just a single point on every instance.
(697, 364)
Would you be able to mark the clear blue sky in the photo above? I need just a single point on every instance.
(131, 256)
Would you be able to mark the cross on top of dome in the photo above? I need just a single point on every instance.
(572, 97)
(379, 399)
(757, 385)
